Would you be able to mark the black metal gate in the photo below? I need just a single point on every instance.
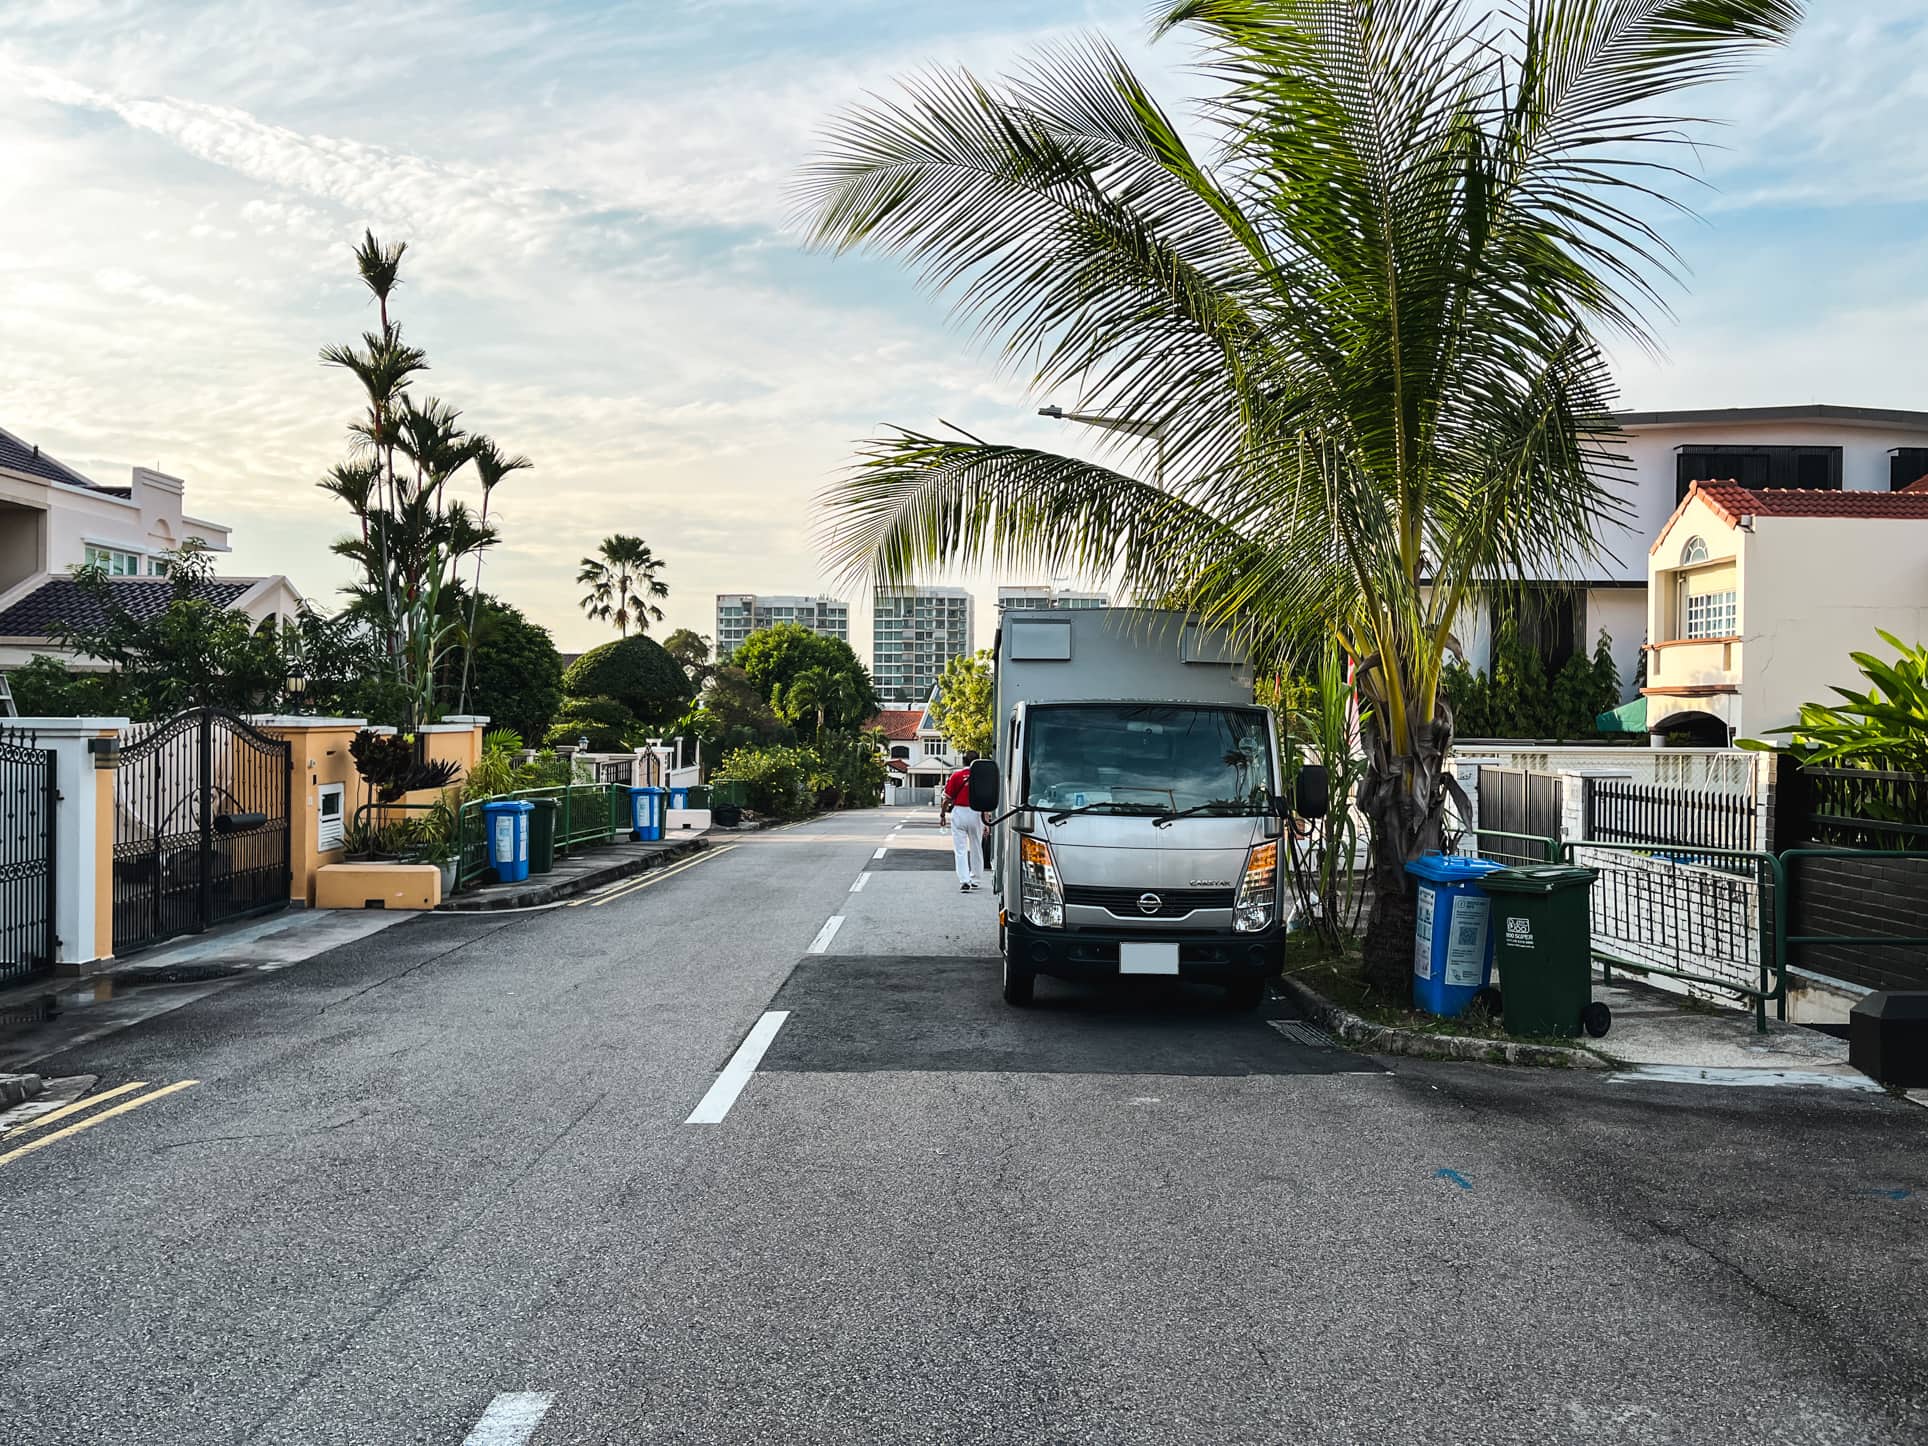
(27, 798)
(200, 826)
(1515, 801)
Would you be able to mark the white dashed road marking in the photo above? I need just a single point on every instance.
(511, 1419)
(736, 1074)
(862, 879)
(1740, 1076)
(879, 854)
(825, 935)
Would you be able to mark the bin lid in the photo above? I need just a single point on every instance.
(1450, 868)
(1539, 879)
(508, 805)
(545, 804)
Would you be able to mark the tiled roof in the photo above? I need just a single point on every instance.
(19, 456)
(1734, 502)
(898, 724)
(1920, 484)
(62, 600)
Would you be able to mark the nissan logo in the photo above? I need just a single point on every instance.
(1150, 903)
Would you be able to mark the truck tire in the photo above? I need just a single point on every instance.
(1018, 983)
(1246, 993)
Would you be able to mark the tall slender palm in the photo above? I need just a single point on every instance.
(491, 466)
(623, 585)
(1365, 330)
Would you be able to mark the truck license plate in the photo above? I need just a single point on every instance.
(1147, 958)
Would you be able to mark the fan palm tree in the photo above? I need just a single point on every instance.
(622, 582)
(1366, 329)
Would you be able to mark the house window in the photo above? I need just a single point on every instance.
(1712, 614)
(1695, 551)
(1814, 469)
(157, 567)
(1906, 465)
(933, 747)
(114, 561)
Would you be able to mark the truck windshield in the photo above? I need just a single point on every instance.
(1147, 758)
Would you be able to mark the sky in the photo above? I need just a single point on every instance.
(604, 269)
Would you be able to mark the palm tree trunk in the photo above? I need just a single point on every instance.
(475, 608)
(1403, 798)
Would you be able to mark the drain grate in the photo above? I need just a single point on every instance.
(1299, 1032)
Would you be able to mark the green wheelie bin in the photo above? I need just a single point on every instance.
(542, 836)
(1543, 949)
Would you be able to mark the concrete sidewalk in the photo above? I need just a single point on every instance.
(1659, 1034)
(576, 873)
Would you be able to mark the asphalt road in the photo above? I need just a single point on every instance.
(437, 1186)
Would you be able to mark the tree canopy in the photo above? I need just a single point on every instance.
(962, 707)
(636, 674)
(783, 658)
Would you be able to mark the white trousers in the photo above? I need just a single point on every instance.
(967, 842)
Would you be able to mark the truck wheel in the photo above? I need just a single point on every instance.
(1246, 994)
(1596, 1019)
(1018, 983)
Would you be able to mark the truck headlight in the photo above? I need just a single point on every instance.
(1258, 891)
(1043, 900)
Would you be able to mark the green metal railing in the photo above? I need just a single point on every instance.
(586, 814)
(1664, 909)
(1512, 848)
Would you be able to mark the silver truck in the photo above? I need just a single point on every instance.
(1135, 794)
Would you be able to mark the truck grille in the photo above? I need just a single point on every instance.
(1173, 903)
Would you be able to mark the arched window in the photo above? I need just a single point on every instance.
(1694, 551)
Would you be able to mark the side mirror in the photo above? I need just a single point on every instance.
(986, 786)
(1312, 791)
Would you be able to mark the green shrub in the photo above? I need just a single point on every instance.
(634, 673)
(778, 780)
(606, 723)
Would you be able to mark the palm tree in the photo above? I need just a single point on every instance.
(1366, 330)
(822, 692)
(622, 584)
(491, 466)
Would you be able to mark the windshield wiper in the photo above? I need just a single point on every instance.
(1242, 810)
(1131, 809)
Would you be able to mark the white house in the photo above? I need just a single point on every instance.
(1755, 599)
(1816, 448)
(53, 520)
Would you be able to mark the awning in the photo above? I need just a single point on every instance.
(1627, 718)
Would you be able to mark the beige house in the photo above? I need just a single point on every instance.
(1755, 599)
(53, 520)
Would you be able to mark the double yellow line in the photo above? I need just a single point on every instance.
(82, 1107)
(650, 880)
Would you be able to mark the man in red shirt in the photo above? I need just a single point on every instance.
(967, 825)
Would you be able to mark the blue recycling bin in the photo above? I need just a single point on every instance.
(505, 831)
(1452, 934)
(679, 797)
(646, 814)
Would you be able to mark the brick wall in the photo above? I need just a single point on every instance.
(1860, 896)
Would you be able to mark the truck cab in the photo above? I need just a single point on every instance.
(1139, 826)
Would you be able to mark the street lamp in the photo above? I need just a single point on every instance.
(295, 684)
(1131, 426)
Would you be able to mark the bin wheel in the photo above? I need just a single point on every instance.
(1245, 994)
(1596, 1019)
(1488, 999)
(1018, 983)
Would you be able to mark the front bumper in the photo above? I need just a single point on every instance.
(1218, 957)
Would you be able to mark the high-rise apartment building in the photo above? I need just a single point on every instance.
(738, 614)
(914, 632)
(1042, 599)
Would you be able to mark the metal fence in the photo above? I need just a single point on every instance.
(1704, 826)
(587, 814)
(27, 880)
(1854, 808)
(1715, 918)
(1517, 805)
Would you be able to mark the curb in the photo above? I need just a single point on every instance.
(549, 893)
(1413, 1043)
(17, 1088)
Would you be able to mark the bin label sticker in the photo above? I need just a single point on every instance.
(1466, 944)
(1519, 932)
(1423, 934)
(504, 849)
